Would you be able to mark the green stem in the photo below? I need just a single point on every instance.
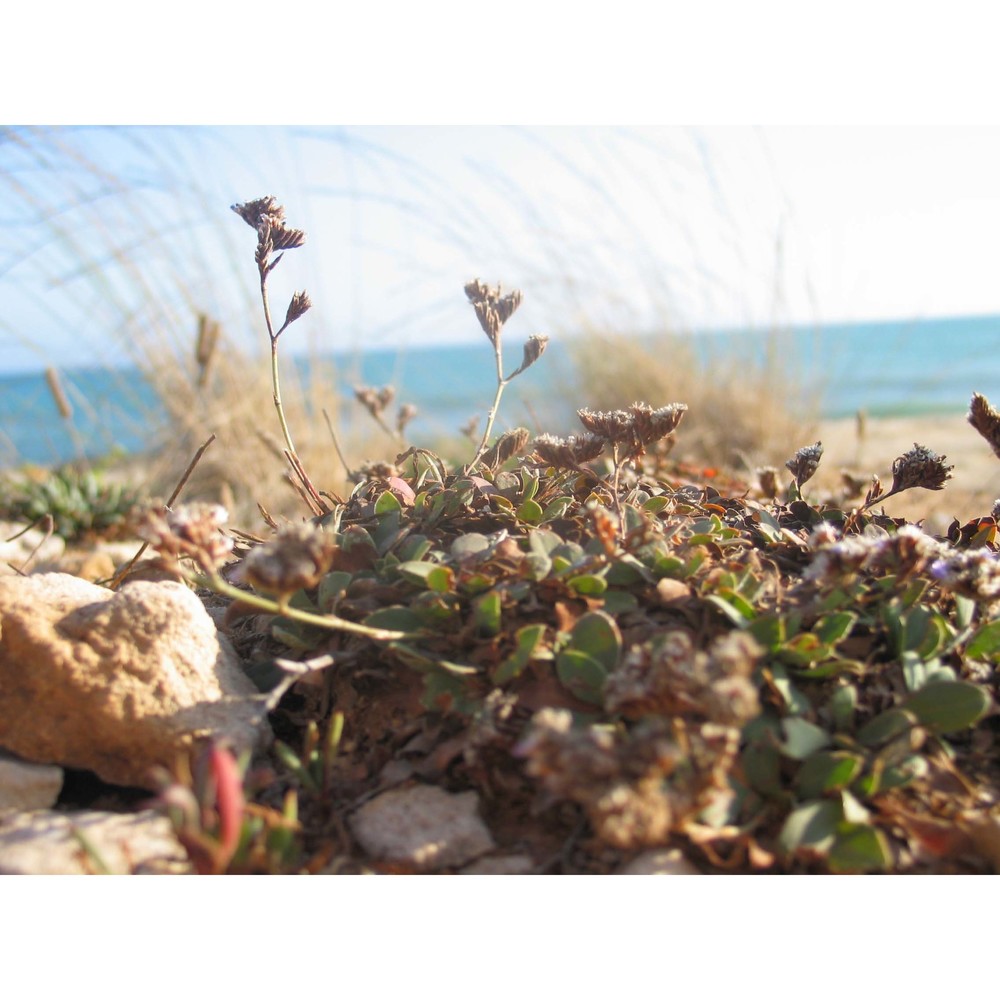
(501, 385)
(332, 622)
(274, 363)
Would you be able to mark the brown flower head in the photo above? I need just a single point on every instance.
(974, 574)
(633, 429)
(405, 414)
(508, 445)
(767, 478)
(986, 421)
(569, 452)
(298, 307)
(252, 212)
(534, 348)
(189, 531)
(804, 463)
(297, 557)
(920, 467)
(492, 307)
(374, 400)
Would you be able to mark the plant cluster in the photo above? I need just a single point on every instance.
(80, 502)
(615, 657)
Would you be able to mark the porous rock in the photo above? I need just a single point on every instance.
(89, 843)
(117, 682)
(26, 786)
(423, 827)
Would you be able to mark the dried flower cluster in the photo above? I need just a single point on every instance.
(618, 781)
(632, 430)
(986, 420)
(493, 308)
(297, 557)
(907, 551)
(507, 446)
(919, 467)
(669, 676)
(375, 401)
(268, 218)
(974, 574)
(804, 463)
(569, 452)
(191, 531)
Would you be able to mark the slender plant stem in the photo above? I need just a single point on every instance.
(274, 363)
(216, 583)
(501, 385)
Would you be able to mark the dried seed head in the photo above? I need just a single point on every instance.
(406, 413)
(299, 306)
(297, 557)
(374, 400)
(190, 531)
(253, 211)
(804, 463)
(995, 511)
(508, 445)
(767, 478)
(635, 428)
(920, 467)
(570, 452)
(986, 421)
(534, 348)
(974, 574)
(374, 470)
(493, 309)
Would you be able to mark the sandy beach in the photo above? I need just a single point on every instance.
(975, 482)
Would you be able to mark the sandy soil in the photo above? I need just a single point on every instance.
(975, 482)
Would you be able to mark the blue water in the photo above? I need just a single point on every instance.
(885, 368)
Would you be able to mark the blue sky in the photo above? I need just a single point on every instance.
(114, 232)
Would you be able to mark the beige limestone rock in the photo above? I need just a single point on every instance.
(117, 682)
(89, 843)
(25, 786)
(422, 826)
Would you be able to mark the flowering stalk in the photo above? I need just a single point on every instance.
(492, 311)
(268, 218)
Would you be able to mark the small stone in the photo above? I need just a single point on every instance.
(510, 864)
(25, 786)
(118, 683)
(422, 826)
(670, 862)
(52, 843)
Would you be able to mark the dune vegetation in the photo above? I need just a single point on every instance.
(622, 638)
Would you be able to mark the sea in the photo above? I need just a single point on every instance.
(885, 368)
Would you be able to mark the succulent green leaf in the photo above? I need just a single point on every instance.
(582, 675)
(887, 726)
(833, 628)
(589, 584)
(469, 544)
(842, 704)
(827, 772)
(947, 706)
(331, 589)
(556, 508)
(985, 644)
(530, 512)
(528, 638)
(597, 635)
(812, 824)
(859, 847)
(619, 602)
(802, 738)
(486, 613)
(387, 503)
(395, 618)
